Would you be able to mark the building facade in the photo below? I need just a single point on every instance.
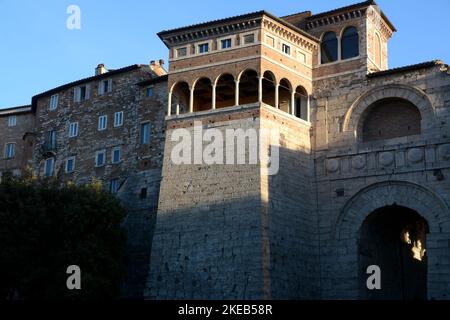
(363, 163)
(16, 139)
(106, 129)
(363, 159)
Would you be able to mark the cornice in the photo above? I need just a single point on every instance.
(379, 23)
(287, 33)
(211, 31)
(335, 18)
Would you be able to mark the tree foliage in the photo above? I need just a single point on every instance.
(44, 228)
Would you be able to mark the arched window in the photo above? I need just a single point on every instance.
(268, 89)
(377, 49)
(350, 43)
(225, 91)
(203, 95)
(301, 103)
(390, 118)
(248, 87)
(329, 48)
(180, 98)
(284, 95)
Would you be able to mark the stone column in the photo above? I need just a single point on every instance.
(236, 93)
(169, 104)
(293, 103)
(213, 102)
(277, 86)
(260, 89)
(191, 100)
(338, 48)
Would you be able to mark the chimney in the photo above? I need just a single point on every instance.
(100, 69)
(157, 67)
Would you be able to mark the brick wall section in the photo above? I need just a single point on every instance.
(391, 119)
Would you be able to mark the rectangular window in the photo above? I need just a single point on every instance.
(102, 122)
(203, 48)
(286, 49)
(51, 140)
(12, 121)
(115, 157)
(70, 164)
(149, 92)
(73, 129)
(226, 43)
(81, 93)
(48, 167)
(145, 133)
(104, 86)
(10, 150)
(181, 52)
(118, 119)
(114, 187)
(143, 194)
(54, 101)
(249, 38)
(270, 41)
(100, 158)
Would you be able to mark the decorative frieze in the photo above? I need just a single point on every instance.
(400, 159)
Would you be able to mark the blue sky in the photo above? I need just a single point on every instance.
(38, 52)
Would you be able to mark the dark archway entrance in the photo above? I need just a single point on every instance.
(394, 239)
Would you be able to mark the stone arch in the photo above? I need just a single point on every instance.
(201, 78)
(388, 193)
(345, 236)
(179, 95)
(248, 70)
(414, 95)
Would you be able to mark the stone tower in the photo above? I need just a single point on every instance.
(357, 145)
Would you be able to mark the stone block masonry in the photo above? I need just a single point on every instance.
(231, 232)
